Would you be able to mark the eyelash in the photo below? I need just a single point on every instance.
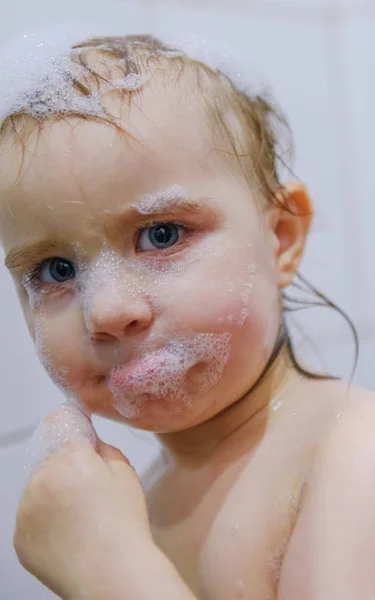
(31, 279)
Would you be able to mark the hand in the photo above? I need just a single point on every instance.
(82, 515)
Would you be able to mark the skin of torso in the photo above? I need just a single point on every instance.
(226, 523)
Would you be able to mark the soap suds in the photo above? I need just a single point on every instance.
(56, 434)
(166, 373)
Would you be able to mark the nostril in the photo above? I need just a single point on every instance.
(101, 336)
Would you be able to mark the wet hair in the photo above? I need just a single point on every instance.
(259, 135)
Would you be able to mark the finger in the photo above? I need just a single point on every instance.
(114, 458)
(63, 429)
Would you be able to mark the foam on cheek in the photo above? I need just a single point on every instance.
(242, 288)
(246, 293)
(57, 433)
(35, 296)
(168, 373)
(59, 375)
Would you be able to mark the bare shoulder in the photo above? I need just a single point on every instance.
(335, 528)
(335, 399)
(342, 391)
(355, 428)
(353, 409)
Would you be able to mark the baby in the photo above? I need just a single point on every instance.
(150, 240)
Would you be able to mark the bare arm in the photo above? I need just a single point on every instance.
(147, 575)
(331, 555)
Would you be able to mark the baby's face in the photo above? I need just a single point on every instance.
(144, 267)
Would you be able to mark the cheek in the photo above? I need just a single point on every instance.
(222, 289)
(59, 349)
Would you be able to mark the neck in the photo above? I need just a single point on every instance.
(253, 413)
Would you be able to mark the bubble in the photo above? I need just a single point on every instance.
(216, 56)
(39, 77)
(167, 372)
(235, 529)
(62, 428)
(240, 587)
(245, 297)
(276, 403)
(59, 375)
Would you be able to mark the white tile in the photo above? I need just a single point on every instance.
(314, 10)
(111, 16)
(307, 5)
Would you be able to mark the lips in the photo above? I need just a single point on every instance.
(164, 375)
(135, 370)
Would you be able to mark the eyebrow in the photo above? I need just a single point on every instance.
(22, 257)
(160, 204)
(171, 198)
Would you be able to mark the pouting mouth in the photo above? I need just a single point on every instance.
(162, 361)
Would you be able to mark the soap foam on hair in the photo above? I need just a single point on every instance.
(39, 77)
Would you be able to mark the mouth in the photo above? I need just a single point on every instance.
(150, 372)
(171, 375)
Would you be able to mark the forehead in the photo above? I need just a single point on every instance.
(167, 135)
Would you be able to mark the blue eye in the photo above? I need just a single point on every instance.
(56, 270)
(162, 235)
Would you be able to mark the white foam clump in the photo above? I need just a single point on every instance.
(165, 374)
(57, 433)
(36, 71)
(215, 55)
(37, 74)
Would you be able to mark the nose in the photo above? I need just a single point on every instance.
(111, 315)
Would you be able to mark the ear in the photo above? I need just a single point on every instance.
(290, 220)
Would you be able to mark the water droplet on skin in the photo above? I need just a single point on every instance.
(240, 587)
(278, 405)
(235, 528)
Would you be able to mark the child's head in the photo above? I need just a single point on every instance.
(153, 231)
